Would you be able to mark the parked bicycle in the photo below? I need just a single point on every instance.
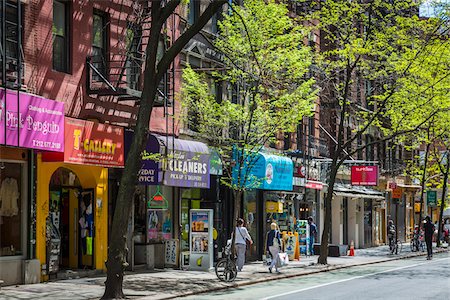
(395, 245)
(226, 266)
(417, 241)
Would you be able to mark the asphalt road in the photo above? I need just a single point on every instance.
(414, 278)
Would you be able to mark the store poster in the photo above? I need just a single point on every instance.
(159, 224)
(92, 143)
(201, 239)
(31, 121)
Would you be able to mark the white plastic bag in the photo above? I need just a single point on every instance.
(283, 259)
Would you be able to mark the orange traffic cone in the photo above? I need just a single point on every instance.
(352, 249)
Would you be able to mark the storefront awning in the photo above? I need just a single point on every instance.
(186, 163)
(347, 190)
(409, 186)
(173, 162)
(267, 171)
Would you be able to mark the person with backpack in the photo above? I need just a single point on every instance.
(312, 234)
(273, 246)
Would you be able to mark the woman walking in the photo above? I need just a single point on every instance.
(241, 236)
(273, 245)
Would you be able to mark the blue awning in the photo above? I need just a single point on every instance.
(267, 172)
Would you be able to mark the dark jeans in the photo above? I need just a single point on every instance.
(429, 243)
(311, 244)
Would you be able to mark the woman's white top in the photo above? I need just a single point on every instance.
(241, 234)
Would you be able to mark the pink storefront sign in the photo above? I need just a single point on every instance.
(30, 121)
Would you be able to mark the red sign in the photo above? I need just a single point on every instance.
(93, 143)
(365, 175)
(392, 185)
(314, 185)
(397, 193)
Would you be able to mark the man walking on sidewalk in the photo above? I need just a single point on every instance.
(312, 234)
(429, 231)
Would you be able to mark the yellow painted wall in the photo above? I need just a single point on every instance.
(90, 177)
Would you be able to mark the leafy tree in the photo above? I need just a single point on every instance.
(383, 43)
(155, 68)
(266, 66)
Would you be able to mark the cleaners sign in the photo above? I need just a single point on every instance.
(93, 143)
(187, 169)
(30, 121)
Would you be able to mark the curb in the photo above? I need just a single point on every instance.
(325, 268)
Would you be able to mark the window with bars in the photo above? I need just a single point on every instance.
(61, 36)
(99, 43)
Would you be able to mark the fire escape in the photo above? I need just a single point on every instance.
(120, 75)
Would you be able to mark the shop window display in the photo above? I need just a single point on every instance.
(11, 209)
(280, 209)
(159, 219)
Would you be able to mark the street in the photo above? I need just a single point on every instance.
(414, 278)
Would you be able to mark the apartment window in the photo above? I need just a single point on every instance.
(194, 11)
(134, 59)
(359, 141)
(218, 87)
(287, 141)
(61, 36)
(99, 42)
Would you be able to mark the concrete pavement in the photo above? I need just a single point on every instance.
(165, 284)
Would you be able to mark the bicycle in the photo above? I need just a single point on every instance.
(395, 246)
(417, 243)
(226, 267)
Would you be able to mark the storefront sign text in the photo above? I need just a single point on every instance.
(93, 143)
(30, 121)
(187, 169)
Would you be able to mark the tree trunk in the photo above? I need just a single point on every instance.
(323, 257)
(422, 183)
(117, 252)
(443, 198)
(236, 214)
(153, 74)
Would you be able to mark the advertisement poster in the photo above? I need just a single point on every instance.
(159, 224)
(199, 221)
(30, 121)
(93, 143)
(201, 239)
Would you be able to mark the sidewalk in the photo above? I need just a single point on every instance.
(166, 284)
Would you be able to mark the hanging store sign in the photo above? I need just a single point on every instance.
(397, 193)
(30, 121)
(431, 198)
(364, 175)
(93, 143)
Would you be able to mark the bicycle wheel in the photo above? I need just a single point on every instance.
(422, 246)
(226, 270)
(413, 245)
